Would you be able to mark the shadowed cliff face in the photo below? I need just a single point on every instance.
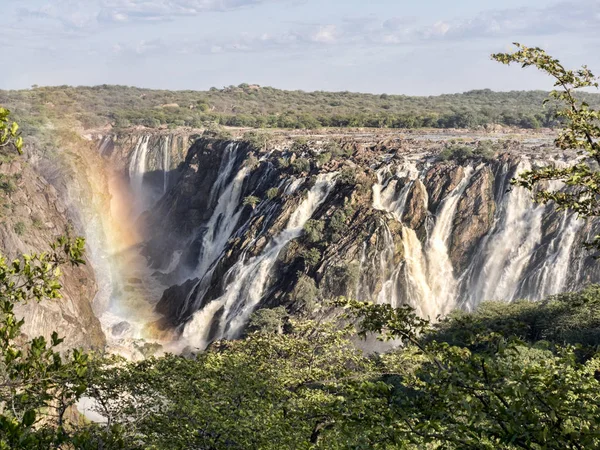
(239, 229)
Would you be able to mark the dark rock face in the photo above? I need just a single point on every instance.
(473, 218)
(171, 301)
(416, 206)
(440, 180)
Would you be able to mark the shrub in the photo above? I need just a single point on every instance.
(323, 158)
(283, 162)
(311, 257)
(20, 228)
(337, 224)
(300, 145)
(305, 294)
(37, 222)
(348, 176)
(251, 200)
(340, 280)
(257, 139)
(7, 184)
(462, 153)
(457, 153)
(314, 230)
(252, 162)
(267, 320)
(272, 193)
(301, 165)
(215, 131)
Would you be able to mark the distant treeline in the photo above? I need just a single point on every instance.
(264, 107)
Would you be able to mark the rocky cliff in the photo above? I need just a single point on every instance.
(189, 235)
(243, 228)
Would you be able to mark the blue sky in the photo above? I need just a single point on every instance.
(417, 47)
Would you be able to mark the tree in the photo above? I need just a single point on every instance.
(580, 133)
(37, 384)
(479, 389)
(9, 132)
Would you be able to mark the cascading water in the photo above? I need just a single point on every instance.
(226, 214)
(247, 279)
(421, 250)
(502, 266)
(166, 162)
(137, 166)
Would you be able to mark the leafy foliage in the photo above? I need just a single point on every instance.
(462, 153)
(314, 230)
(37, 385)
(251, 200)
(9, 132)
(581, 133)
(266, 107)
(272, 193)
(301, 165)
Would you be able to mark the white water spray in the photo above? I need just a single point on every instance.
(248, 278)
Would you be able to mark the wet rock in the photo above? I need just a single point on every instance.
(473, 218)
(416, 206)
(440, 180)
(120, 329)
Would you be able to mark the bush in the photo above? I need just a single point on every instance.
(305, 294)
(272, 193)
(337, 223)
(301, 165)
(457, 153)
(252, 162)
(462, 153)
(215, 131)
(20, 228)
(348, 176)
(251, 200)
(311, 257)
(323, 158)
(7, 185)
(267, 321)
(341, 280)
(300, 145)
(257, 140)
(314, 230)
(283, 162)
(570, 318)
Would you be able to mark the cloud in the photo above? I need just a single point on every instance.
(326, 34)
(367, 32)
(119, 11)
(71, 14)
(570, 16)
(74, 14)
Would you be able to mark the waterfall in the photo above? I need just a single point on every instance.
(225, 170)
(553, 274)
(498, 266)
(166, 162)
(413, 255)
(247, 279)
(137, 165)
(514, 259)
(429, 285)
(442, 282)
(222, 223)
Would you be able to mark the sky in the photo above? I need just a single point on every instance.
(412, 47)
